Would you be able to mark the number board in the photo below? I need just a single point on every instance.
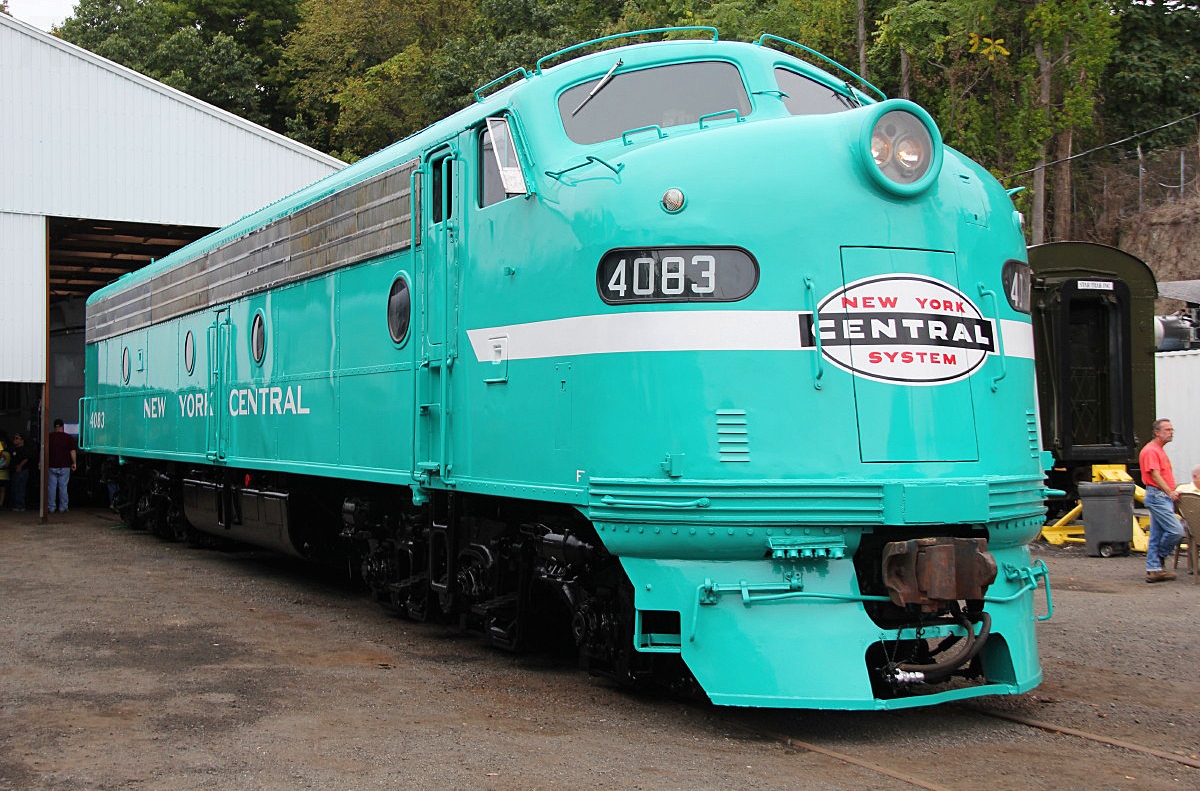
(676, 274)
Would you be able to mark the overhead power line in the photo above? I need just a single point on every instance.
(1101, 148)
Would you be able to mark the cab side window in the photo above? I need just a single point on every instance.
(500, 175)
(442, 192)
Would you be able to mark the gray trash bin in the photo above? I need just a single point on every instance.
(1107, 518)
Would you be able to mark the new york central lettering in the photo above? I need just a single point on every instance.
(901, 329)
(267, 401)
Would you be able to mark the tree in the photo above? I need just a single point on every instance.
(368, 72)
(377, 60)
(1011, 84)
(1153, 77)
(1072, 41)
(258, 27)
(225, 52)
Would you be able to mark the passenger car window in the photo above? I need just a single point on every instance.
(805, 96)
(663, 96)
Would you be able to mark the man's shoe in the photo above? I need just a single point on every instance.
(1159, 576)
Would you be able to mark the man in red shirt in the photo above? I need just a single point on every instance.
(60, 458)
(1159, 480)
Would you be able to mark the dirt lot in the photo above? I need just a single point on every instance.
(129, 663)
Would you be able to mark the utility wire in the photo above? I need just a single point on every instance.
(1101, 148)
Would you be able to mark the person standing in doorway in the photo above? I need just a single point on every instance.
(22, 462)
(1159, 480)
(60, 455)
(5, 465)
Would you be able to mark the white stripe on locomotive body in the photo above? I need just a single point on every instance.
(674, 331)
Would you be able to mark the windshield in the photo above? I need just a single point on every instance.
(803, 96)
(663, 96)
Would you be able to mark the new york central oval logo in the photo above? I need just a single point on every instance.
(902, 328)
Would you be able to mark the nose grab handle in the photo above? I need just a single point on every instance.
(810, 291)
(984, 291)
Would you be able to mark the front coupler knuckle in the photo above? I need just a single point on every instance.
(930, 572)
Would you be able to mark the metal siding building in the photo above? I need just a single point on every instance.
(83, 137)
(1177, 389)
(22, 297)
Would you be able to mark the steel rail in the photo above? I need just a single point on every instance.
(799, 744)
(1093, 737)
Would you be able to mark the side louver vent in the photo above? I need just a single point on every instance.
(1031, 424)
(733, 438)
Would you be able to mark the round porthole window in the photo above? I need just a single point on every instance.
(126, 366)
(399, 310)
(258, 338)
(189, 352)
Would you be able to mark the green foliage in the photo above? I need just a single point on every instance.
(351, 76)
(1154, 75)
(219, 71)
(225, 52)
(368, 72)
(976, 67)
(378, 63)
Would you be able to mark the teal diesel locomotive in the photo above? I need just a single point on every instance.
(709, 361)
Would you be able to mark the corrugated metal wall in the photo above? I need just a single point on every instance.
(22, 298)
(83, 137)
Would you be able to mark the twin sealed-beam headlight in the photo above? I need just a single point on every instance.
(902, 147)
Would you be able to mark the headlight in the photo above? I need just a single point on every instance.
(904, 134)
(905, 148)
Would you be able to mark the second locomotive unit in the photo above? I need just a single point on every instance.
(688, 352)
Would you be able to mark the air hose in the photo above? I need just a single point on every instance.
(907, 672)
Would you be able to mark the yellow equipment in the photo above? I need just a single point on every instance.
(1065, 531)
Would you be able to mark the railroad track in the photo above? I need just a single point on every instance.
(920, 782)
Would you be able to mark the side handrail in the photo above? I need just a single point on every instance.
(613, 502)
(759, 592)
(81, 412)
(479, 92)
(632, 34)
(590, 160)
(768, 37)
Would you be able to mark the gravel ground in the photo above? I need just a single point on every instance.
(129, 663)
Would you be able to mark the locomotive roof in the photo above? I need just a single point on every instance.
(539, 87)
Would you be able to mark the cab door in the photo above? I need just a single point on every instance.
(443, 176)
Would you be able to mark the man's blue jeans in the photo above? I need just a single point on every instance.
(57, 498)
(1165, 529)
